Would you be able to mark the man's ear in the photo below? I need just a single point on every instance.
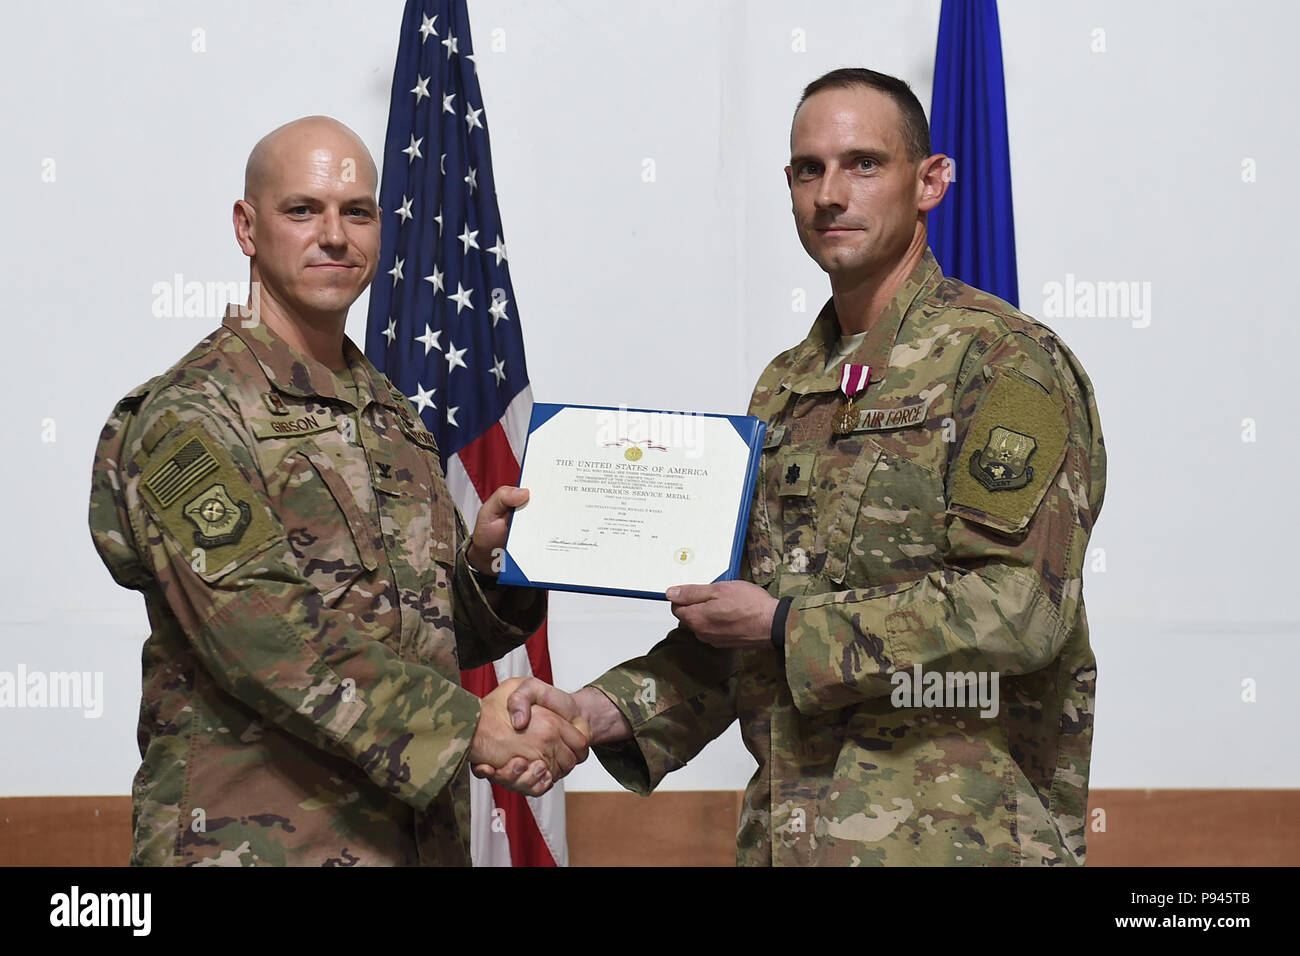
(789, 177)
(933, 176)
(245, 218)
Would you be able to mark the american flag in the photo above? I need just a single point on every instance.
(443, 326)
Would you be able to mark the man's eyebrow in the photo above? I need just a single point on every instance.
(299, 200)
(878, 153)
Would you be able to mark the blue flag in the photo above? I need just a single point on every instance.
(442, 322)
(972, 232)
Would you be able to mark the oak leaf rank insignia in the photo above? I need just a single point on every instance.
(218, 519)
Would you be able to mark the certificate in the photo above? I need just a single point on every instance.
(631, 501)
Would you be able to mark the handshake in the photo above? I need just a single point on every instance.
(531, 734)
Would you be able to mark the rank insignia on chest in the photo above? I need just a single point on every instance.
(1003, 463)
(274, 404)
(218, 519)
(797, 474)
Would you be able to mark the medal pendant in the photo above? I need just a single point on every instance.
(846, 417)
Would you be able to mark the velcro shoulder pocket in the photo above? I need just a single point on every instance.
(1011, 453)
(200, 498)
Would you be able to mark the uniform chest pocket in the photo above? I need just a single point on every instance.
(837, 531)
(333, 539)
(890, 525)
(812, 495)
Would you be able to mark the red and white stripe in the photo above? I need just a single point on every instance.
(530, 830)
(853, 378)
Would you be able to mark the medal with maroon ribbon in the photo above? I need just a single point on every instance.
(853, 379)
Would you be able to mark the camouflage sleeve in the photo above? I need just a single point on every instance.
(1007, 595)
(263, 632)
(484, 633)
(678, 697)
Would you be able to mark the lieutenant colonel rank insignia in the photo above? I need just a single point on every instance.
(1002, 464)
(218, 518)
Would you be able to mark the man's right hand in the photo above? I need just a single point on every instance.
(597, 715)
(544, 748)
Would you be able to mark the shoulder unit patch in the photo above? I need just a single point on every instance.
(1003, 463)
(1014, 447)
(201, 499)
(219, 518)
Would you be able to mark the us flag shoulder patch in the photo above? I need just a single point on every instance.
(180, 471)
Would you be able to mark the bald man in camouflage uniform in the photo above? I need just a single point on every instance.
(312, 589)
(939, 535)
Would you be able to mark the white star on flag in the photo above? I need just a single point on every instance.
(451, 44)
(390, 333)
(498, 310)
(436, 278)
(413, 151)
(472, 179)
(430, 340)
(422, 399)
(498, 370)
(446, 103)
(453, 357)
(396, 271)
(426, 27)
(451, 416)
(471, 119)
(405, 210)
(421, 89)
(498, 250)
(468, 238)
(461, 298)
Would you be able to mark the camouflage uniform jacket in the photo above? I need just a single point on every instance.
(945, 535)
(303, 569)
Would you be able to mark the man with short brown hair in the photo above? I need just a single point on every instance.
(907, 652)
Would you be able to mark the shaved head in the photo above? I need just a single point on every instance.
(309, 222)
(289, 142)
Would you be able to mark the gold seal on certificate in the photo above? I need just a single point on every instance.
(631, 501)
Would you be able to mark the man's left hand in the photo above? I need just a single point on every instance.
(488, 541)
(726, 613)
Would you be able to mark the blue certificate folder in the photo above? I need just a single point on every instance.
(750, 430)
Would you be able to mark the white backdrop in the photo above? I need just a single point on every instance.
(1150, 144)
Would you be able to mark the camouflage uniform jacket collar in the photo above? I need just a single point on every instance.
(806, 373)
(293, 373)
